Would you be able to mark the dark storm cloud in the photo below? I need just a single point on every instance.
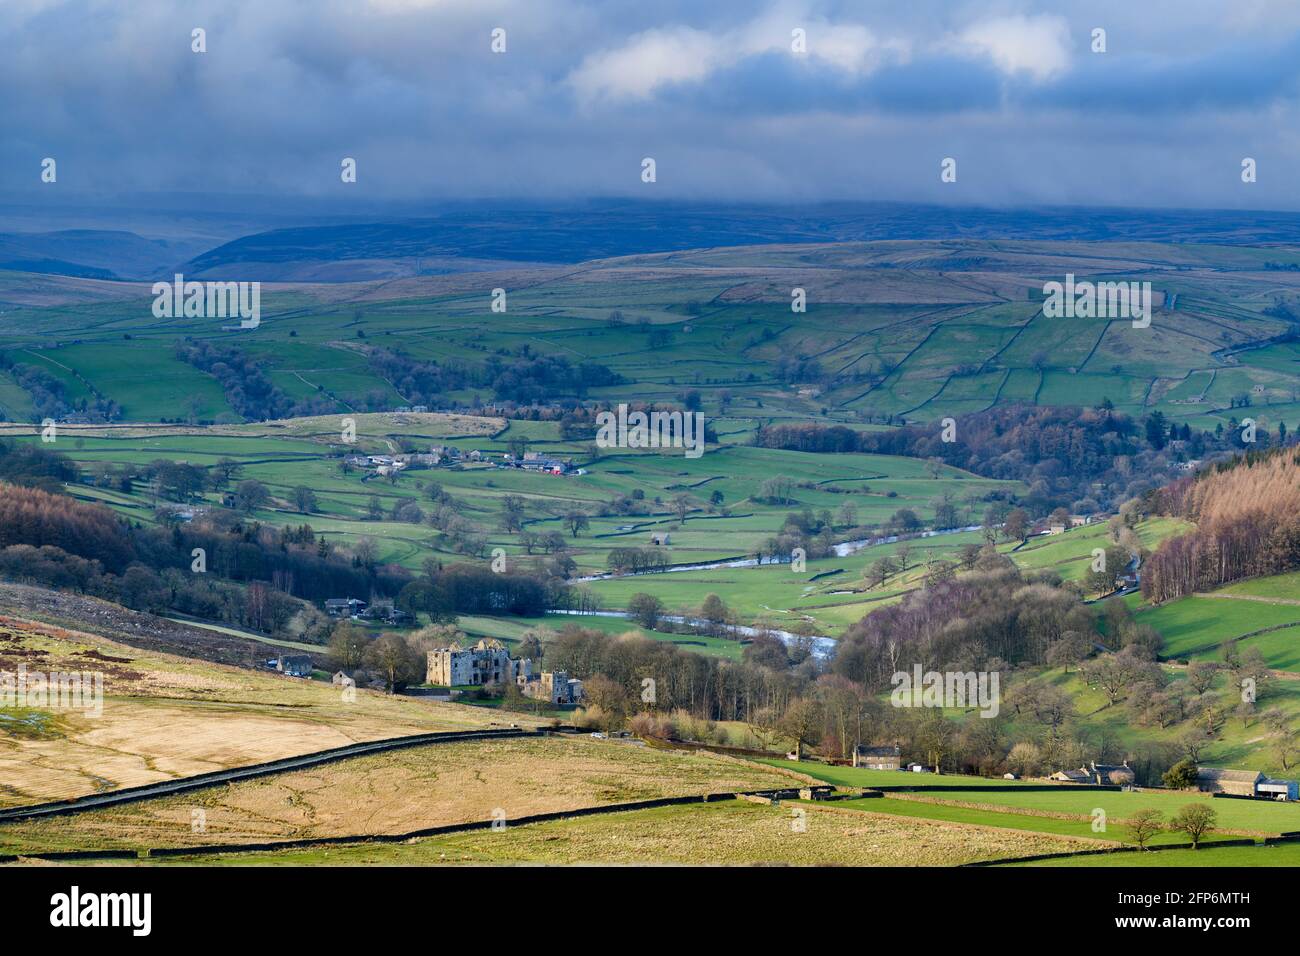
(1238, 77)
(712, 91)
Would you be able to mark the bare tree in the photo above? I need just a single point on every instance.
(395, 660)
(1145, 824)
(576, 521)
(1194, 819)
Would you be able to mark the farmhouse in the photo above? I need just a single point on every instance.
(344, 607)
(878, 758)
(294, 665)
(1098, 774)
(1241, 783)
(180, 512)
(451, 455)
(423, 459)
(1116, 776)
(388, 614)
(487, 662)
(535, 461)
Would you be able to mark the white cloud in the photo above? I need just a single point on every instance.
(646, 62)
(852, 48)
(1039, 46)
(407, 6)
(656, 58)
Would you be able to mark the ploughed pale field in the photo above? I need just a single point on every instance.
(401, 791)
(727, 833)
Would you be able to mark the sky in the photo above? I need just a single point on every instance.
(720, 94)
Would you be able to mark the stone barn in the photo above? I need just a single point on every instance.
(1241, 783)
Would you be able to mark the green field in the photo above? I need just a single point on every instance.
(1080, 829)
(1257, 816)
(1070, 554)
(861, 777)
(511, 629)
(1279, 587)
(1196, 628)
(1281, 854)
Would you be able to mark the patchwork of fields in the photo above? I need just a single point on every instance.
(900, 335)
(927, 340)
(285, 457)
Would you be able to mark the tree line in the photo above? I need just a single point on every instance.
(1083, 459)
(1247, 515)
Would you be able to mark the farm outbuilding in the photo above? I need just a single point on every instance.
(1278, 790)
(1241, 783)
(1071, 776)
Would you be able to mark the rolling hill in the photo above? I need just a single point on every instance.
(917, 330)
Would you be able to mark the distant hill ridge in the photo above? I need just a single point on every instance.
(462, 237)
(575, 234)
